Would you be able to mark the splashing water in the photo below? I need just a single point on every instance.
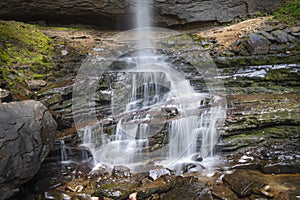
(159, 117)
(160, 100)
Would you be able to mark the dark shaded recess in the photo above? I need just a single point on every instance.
(100, 21)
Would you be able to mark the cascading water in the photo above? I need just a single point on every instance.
(63, 151)
(157, 103)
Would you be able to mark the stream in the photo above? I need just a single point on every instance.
(156, 119)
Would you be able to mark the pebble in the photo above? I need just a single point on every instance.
(64, 52)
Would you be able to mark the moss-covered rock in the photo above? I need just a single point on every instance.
(24, 45)
(26, 53)
(116, 188)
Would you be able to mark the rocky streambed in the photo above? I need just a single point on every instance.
(259, 145)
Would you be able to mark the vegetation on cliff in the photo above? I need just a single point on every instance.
(289, 12)
(25, 53)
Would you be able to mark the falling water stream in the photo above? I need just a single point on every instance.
(158, 102)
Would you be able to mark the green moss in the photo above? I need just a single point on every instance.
(39, 76)
(280, 75)
(108, 186)
(197, 38)
(23, 44)
(25, 53)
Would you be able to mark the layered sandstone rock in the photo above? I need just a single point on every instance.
(120, 13)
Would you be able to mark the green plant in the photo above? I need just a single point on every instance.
(258, 14)
(289, 12)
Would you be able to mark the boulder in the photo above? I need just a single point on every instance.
(197, 157)
(27, 132)
(120, 13)
(36, 84)
(257, 44)
(223, 192)
(282, 37)
(244, 183)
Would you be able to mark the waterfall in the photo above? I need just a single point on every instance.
(159, 98)
(143, 10)
(156, 104)
(63, 151)
(143, 16)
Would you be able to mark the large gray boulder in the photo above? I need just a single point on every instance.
(27, 132)
(120, 13)
(257, 44)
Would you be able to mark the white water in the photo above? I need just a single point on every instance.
(159, 98)
(63, 151)
(156, 87)
(143, 12)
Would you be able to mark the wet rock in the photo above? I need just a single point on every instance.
(282, 196)
(5, 95)
(182, 168)
(282, 37)
(156, 173)
(257, 60)
(257, 44)
(240, 182)
(27, 132)
(223, 192)
(53, 195)
(186, 192)
(52, 100)
(249, 166)
(277, 154)
(197, 157)
(116, 188)
(237, 143)
(120, 171)
(205, 194)
(280, 157)
(100, 172)
(250, 184)
(246, 114)
(265, 191)
(161, 185)
(280, 167)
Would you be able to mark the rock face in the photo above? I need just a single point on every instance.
(188, 11)
(107, 12)
(263, 47)
(257, 44)
(27, 132)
